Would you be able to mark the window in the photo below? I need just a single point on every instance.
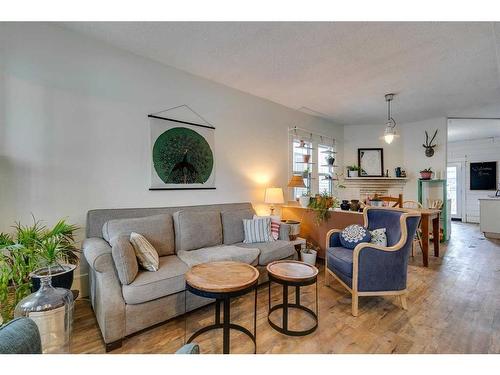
(325, 169)
(302, 166)
(311, 157)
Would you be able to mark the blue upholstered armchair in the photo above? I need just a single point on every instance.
(20, 336)
(369, 269)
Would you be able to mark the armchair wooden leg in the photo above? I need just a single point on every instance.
(404, 304)
(355, 304)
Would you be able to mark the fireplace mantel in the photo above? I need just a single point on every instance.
(368, 186)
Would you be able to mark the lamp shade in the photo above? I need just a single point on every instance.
(296, 181)
(274, 196)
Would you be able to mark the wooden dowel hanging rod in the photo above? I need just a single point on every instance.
(308, 132)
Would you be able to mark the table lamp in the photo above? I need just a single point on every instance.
(274, 196)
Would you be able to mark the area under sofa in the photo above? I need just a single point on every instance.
(127, 299)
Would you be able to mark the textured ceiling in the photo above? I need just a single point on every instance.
(467, 129)
(340, 70)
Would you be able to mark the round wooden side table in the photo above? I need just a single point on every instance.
(223, 281)
(292, 273)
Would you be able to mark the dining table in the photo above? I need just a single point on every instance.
(429, 219)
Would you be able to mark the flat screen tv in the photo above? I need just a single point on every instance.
(483, 176)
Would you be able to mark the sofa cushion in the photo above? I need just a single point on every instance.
(219, 254)
(157, 229)
(340, 259)
(271, 251)
(232, 225)
(124, 258)
(197, 229)
(147, 286)
(146, 254)
(257, 230)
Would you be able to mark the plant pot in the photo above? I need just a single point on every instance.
(306, 158)
(308, 258)
(377, 203)
(345, 206)
(355, 206)
(330, 161)
(304, 201)
(353, 173)
(60, 278)
(305, 174)
(426, 175)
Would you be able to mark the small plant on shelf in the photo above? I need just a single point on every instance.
(352, 171)
(426, 174)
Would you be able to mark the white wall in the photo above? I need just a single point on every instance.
(406, 151)
(74, 132)
(465, 152)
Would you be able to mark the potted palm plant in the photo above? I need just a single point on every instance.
(30, 253)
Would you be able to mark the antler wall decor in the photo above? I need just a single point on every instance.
(429, 147)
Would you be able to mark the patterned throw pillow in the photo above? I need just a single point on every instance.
(257, 230)
(379, 237)
(275, 225)
(353, 235)
(145, 252)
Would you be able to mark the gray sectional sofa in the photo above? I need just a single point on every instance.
(127, 299)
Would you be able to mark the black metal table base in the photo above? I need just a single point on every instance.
(225, 324)
(285, 306)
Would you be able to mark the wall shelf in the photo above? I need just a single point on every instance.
(377, 178)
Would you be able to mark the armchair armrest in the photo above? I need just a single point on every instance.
(333, 238)
(284, 232)
(97, 252)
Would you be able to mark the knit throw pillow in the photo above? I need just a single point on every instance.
(275, 225)
(145, 252)
(353, 235)
(379, 237)
(257, 230)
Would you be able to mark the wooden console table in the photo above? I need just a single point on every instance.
(317, 233)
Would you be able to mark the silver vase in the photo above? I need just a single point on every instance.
(52, 311)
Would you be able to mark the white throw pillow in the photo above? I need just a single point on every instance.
(145, 252)
(257, 230)
(275, 225)
(379, 237)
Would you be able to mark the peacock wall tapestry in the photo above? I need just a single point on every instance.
(182, 155)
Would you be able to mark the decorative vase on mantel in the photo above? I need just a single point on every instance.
(345, 205)
(52, 311)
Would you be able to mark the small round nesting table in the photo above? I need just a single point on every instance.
(296, 274)
(223, 281)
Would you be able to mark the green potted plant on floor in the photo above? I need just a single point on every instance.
(34, 251)
(308, 255)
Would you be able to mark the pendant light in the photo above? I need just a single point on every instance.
(390, 125)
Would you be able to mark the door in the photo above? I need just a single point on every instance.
(454, 183)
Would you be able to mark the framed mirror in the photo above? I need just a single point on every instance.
(371, 162)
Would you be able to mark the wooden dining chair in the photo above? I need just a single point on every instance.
(418, 238)
(392, 201)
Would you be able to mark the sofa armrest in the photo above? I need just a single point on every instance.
(105, 289)
(284, 232)
(97, 252)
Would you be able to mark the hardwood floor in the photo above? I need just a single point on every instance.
(453, 307)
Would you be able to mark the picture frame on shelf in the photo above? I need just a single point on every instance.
(371, 162)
